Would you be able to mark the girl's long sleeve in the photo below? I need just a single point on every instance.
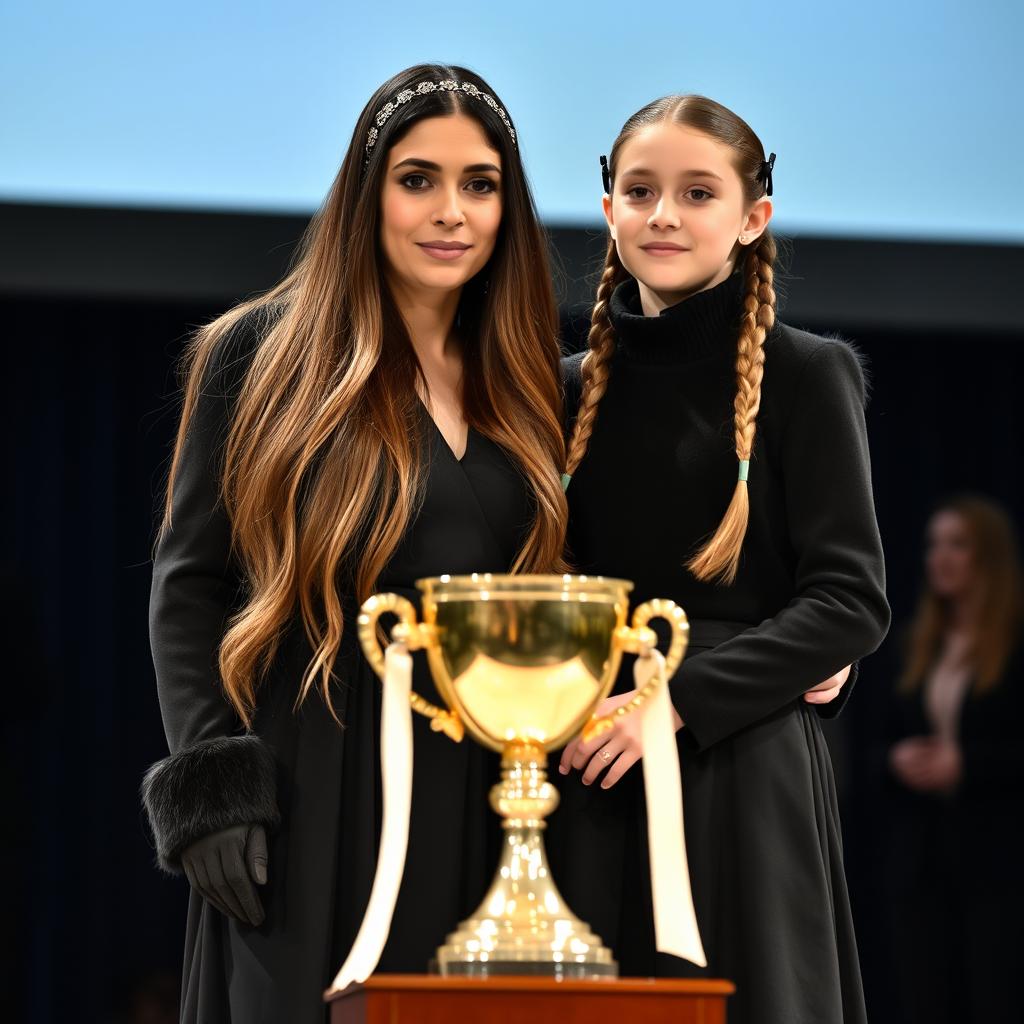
(839, 612)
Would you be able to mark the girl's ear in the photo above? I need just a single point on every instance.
(606, 205)
(757, 219)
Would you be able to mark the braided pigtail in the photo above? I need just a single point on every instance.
(595, 369)
(719, 559)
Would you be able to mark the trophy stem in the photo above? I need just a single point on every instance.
(523, 925)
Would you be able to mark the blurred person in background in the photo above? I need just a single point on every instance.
(953, 763)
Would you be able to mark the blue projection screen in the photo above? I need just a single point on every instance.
(891, 119)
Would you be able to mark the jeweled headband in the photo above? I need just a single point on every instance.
(424, 89)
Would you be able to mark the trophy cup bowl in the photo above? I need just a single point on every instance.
(522, 662)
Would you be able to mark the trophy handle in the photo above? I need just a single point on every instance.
(640, 639)
(414, 636)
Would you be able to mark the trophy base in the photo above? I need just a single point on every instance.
(523, 925)
(494, 947)
(532, 968)
(535, 943)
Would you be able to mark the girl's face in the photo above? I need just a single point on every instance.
(677, 211)
(949, 555)
(440, 205)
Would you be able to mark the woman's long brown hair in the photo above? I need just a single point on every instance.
(321, 470)
(718, 559)
(1000, 608)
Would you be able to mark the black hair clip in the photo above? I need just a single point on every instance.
(765, 174)
(606, 177)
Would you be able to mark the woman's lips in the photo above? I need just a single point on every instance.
(444, 250)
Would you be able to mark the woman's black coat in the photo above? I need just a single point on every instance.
(315, 785)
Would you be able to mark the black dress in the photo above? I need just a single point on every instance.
(762, 827)
(322, 855)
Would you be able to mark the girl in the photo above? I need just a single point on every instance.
(955, 902)
(390, 410)
(720, 459)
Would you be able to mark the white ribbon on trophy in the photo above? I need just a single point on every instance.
(675, 920)
(396, 778)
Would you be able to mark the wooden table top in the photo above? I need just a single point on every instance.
(526, 983)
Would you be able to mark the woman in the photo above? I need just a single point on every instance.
(955, 903)
(391, 410)
(719, 458)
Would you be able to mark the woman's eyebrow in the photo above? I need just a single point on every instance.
(429, 165)
(415, 161)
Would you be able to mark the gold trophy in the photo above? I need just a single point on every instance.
(522, 663)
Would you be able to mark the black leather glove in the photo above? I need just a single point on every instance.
(222, 868)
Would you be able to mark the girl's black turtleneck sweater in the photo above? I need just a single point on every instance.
(658, 476)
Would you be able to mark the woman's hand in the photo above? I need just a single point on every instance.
(618, 749)
(929, 764)
(222, 868)
(829, 689)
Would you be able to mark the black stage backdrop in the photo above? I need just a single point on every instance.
(97, 304)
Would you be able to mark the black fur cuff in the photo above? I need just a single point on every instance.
(214, 784)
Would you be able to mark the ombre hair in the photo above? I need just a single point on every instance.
(322, 469)
(718, 559)
(1000, 599)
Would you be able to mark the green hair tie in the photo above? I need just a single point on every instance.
(744, 469)
(566, 477)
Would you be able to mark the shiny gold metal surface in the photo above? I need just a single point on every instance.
(523, 926)
(409, 632)
(519, 657)
(522, 662)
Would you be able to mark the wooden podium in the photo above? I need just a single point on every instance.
(430, 999)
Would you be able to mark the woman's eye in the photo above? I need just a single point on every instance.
(699, 194)
(639, 192)
(415, 182)
(481, 186)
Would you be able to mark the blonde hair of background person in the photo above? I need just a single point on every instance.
(987, 594)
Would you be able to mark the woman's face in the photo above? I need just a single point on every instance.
(677, 211)
(440, 205)
(949, 555)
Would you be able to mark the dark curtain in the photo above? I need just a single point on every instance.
(90, 411)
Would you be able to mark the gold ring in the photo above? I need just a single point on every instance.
(606, 755)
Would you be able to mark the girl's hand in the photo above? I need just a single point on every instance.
(618, 749)
(929, 764)
(829, 689)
